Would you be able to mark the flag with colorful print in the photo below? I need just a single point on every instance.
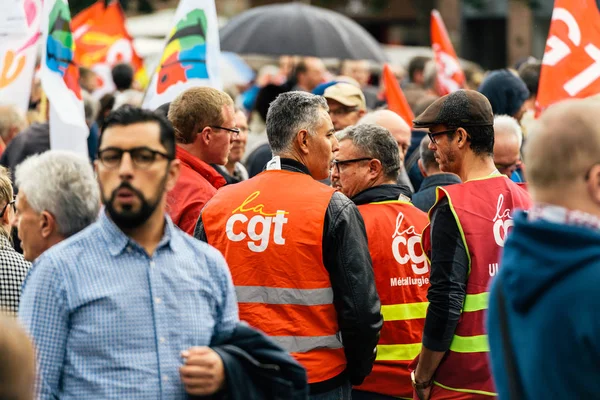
(102, 40)
(60, 80)
(17, 58)
(191, 55)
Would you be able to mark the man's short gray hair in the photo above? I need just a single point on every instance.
(11, 116)
(290, 113)
(376, 142)
(63, 184)
(508, 124)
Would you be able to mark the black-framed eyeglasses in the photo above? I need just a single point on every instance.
(336, 163)
(142, 157)
(432, 135)
(235, 131)
(342, 111)
(10, 203)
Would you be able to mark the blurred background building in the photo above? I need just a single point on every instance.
(492, 33)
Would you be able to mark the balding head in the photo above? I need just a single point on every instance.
(393, 123)
(562, 153)
(17, 361)
(507, 144)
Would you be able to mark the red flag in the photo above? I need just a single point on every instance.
(101, 40)
(450, 75)
(571, 63)
(395, 97)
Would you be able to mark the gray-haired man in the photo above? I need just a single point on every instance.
(292, 252)
(58, 197)
(367, 166)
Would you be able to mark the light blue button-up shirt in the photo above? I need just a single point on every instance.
(110, 322)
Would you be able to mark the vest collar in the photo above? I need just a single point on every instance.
(385, 192)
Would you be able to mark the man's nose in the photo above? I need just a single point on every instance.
(126, 166)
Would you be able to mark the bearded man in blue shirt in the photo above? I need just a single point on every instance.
(126, 308)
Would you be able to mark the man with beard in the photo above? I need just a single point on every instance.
(117, 309)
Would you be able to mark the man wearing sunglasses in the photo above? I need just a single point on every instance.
(205, 128)
(468, 225)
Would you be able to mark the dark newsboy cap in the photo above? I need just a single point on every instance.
(460, 108)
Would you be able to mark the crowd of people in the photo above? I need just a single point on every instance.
(296, 239)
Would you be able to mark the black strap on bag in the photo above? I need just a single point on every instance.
(510, 362)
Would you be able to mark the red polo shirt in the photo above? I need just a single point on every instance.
(197, 183)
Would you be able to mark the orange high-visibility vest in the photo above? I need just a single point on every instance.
(483, 211)
(402, 277)
(270, 230)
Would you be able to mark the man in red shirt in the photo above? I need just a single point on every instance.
(204, 122)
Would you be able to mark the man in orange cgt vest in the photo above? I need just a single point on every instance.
(367, 167)
(298, 252)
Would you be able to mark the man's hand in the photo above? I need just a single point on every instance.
(423, 394)
(203, 372)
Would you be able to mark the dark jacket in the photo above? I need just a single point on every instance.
(346, 257)
(256, 368)
(425, 197)
(33, 140)
(385, 192)
(549, 275)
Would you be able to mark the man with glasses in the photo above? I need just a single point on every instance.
(508, 138)
(346, 104)
(205, 128)
(124, 309)
(298, 252)
(367, 167)
(469, 223)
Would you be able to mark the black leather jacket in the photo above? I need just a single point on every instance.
(347, 259)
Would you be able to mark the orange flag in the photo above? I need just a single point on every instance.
(450, 75)
(101, 41)
(571, 63)
(395, 97)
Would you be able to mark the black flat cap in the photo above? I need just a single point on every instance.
(460, 108)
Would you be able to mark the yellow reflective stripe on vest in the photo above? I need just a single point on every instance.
(402, 312)
(397, 352)
(482, 392)
(470, 344)
(476, 302)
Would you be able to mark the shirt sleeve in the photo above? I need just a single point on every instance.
(448, 279)
(44, 313)
(227, 312)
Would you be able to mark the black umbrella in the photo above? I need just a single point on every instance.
(299, 29)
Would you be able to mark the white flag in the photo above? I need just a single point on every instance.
(18, 54)
(60, 80)
(191, 55)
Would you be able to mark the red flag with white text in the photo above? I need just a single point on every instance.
(450, 76)
(571, 63)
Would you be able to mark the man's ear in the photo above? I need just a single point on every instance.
(421, 168)
(205, 136)
(302, 141)
(174, 171)
(47, 224)
(593, 183)
(462, 137)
